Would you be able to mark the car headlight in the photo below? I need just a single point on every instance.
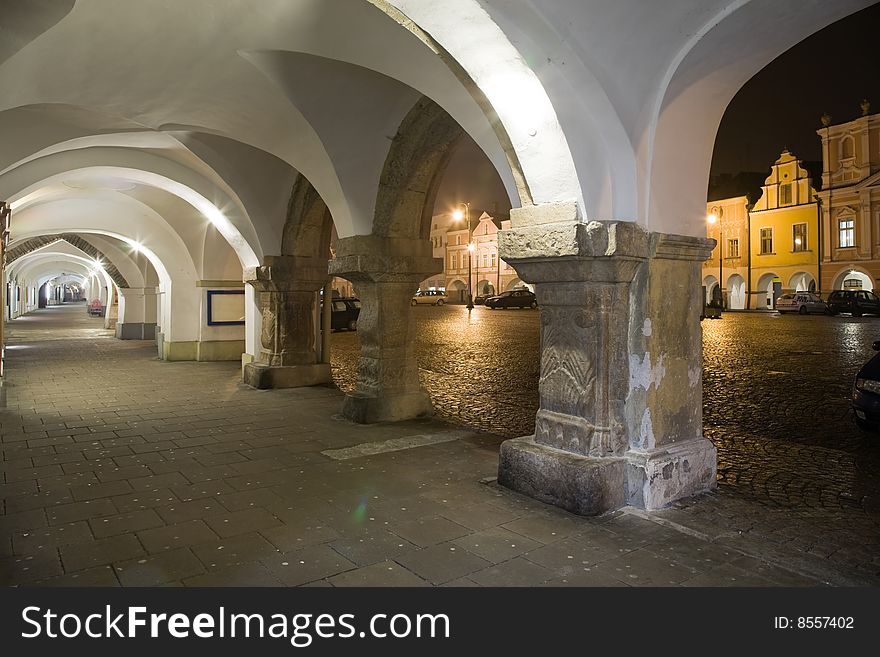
(869, 385)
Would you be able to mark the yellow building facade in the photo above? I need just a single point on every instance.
(850, 199)
(728, 225)
(769, 249)
(784, 227)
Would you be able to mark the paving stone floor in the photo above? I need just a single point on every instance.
(120, 469)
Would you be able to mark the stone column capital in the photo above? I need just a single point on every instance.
(288, 274)
(384, 259)
(681, 247)
(597, 251)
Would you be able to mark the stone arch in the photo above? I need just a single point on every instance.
(35, 243)
(768, 290)
(710, 282)
(411, 176)
(484, 287)
(802, 281)
(847, 147)
(853, 274)
(736, 292)
(309, 223)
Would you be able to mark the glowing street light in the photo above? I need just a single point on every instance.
(458, 215)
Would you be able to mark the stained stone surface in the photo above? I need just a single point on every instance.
(287, 288)
(606, 378)
(385, 272)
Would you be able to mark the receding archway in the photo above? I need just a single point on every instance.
(710, 285)
(457, 291)
(769, 289)
(853, 278)
(736, 292)
(802, 282)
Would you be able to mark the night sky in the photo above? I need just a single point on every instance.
(471, 178)
(830, 71)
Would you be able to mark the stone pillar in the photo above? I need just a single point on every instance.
(288, 358)
(385, 272)
(620, 380)
(138, 313)
(668, 458)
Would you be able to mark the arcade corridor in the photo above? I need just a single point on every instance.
(120, 469)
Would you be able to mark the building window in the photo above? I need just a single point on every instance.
(847, 232)
(485, 260)
(453, 262)
(799, 237)
(785, 194)
(766, 241)
(458, 240)
(733, 248)
(493, 261)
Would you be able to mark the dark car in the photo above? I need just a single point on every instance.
(866, 393)
(855, 302)
(344, 313)
(513, 299)
(480, 299)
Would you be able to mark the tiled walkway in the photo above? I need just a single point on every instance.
(120, 469)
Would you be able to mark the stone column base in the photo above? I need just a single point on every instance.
(584, 485)
(657, 477)
(263, 376)
(388, 407)
(136, 331)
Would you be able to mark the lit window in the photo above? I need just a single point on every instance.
(766, 241)
(847, 232)
(785, 194)
(799, 237)
(733, 248)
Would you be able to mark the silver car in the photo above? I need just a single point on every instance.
(432, 297)
(801, 303)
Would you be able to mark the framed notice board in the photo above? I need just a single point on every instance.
(225, 307)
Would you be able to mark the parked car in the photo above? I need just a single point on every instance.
(866, 393)
(802, 303)
(344, 313)
(513, 299)
(855, 302)
(432, 297)
(480, 299)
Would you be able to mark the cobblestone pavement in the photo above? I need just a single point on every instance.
(120, 469)
(776, 405)
(776, 388)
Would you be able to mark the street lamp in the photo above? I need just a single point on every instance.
(458, 215)
(712, 218)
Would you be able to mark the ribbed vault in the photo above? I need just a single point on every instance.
(86, 247)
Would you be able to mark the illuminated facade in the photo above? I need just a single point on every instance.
(489, 273)
(730, 228)
(850, 199)
(784, 229)
(769, 249)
